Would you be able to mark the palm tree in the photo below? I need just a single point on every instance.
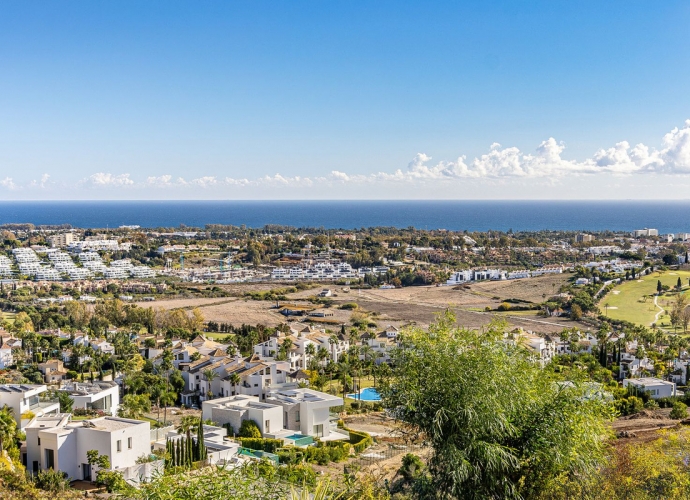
(167, 398)
(210, 375)
(235, 381)
(188, 423)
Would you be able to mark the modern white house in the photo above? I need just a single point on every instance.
(234, 410)
(24, 398)
(104, 396)
(655, 387)
(306, 411)
(58, 443)
(286, 414)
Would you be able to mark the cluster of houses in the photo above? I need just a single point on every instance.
(470, 275)
(61, 266)
(257, 387)
(325, 271)
(633, 371)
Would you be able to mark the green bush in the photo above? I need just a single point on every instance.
(249, 429)
(679, 411)
(263, 444)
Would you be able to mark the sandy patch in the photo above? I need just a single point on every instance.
(616, 292)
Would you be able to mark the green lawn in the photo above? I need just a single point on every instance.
(629, 302)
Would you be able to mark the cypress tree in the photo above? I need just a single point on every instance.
(200, 442)
(178, 457)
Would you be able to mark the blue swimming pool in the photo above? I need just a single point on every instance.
(368, 394)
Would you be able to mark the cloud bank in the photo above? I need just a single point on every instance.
(545, 162)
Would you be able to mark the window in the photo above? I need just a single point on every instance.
(119, 445)
(39, 441)
(267, 426)
(50, 459)
(297, 416)
(129, 443)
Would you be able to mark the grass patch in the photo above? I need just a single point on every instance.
(629, 303)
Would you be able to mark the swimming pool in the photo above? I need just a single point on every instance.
(368, 394)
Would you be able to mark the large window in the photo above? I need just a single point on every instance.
(50, 459)
(129, 443)
(119, 445)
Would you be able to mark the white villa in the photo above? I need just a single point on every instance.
(655, 387)
(23, 398)
(58, 443)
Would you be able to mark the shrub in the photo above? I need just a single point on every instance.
(350, 306)
(249, 429)
(504, 307)
(263, 444)
(679, 411)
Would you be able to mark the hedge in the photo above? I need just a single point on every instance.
(360, 441)
(262, 444)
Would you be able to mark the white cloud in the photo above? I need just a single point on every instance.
(102, 179)
(499, 165)
(8, 183)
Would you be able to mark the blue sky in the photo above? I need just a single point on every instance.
(252, 100)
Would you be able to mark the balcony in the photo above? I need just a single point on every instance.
(43, 404)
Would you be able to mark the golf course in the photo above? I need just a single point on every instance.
(633, 300)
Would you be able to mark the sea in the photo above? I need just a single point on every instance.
(503, 215)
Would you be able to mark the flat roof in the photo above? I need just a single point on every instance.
(108, 423)
(19, 387)
(650, 381)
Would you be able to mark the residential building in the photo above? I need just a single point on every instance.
(58, 443)
(103, 396)
(61, 240)
(641, 233)
(584, 238)
(234, 410)
(307, 411)
(53, 371)
(655, 387)
(23, 398)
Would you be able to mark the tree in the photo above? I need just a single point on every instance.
(679, 411)
(498, 424)
(659, 287)
(8, 427)
(134, 405)
(249, 429)
(210, 375)
(66, 402)
(575, 312)
(186, 425)
(235, 381)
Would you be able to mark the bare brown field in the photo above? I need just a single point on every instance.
(398, 307)
(531, 289)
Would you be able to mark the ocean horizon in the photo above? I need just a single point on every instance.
(482, 215)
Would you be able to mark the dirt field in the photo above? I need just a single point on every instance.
(642, 427)
(397, 307)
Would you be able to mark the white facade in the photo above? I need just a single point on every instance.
(104, 396)
(655, 387)
(63, 444)
(306, 410)
(234, 410)
(23, 398)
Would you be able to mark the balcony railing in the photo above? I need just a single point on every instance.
(44, 403)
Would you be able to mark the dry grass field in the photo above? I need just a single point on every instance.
(398, 307)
